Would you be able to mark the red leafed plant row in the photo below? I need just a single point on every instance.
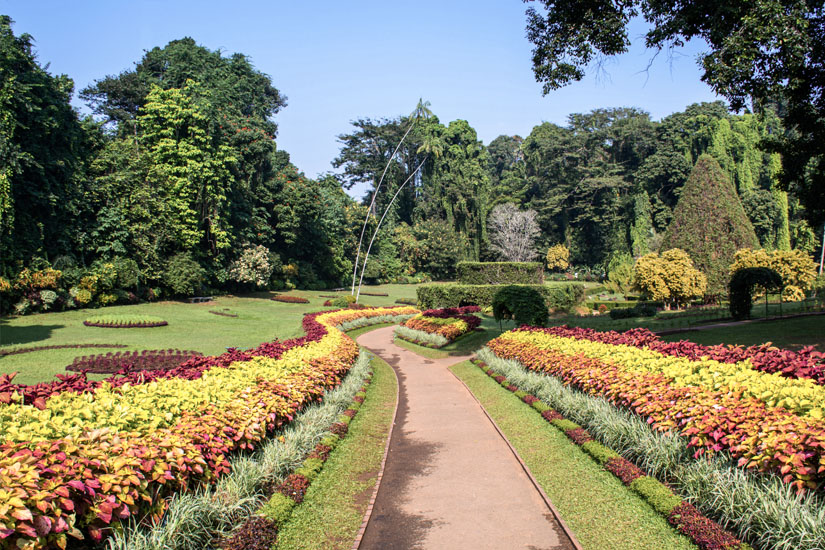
(290, 299)
(128, 361)
(805, 363)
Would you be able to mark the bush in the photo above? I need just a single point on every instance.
(128, 273)
(797, 269)
(499, 273)
(670, 277)
(183, 275)
(253, 267)
(523, 304)
(639, 310)
(560, 298)
(342, 301)
(558, 258)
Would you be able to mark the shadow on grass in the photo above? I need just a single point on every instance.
(10, 335)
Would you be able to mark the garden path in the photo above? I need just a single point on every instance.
(451, 480)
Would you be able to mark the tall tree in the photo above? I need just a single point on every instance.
(513, 233)
(760, 53)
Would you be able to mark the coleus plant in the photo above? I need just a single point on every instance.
(53, 487)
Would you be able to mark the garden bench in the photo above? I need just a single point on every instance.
(199, 299)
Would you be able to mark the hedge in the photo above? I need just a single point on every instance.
(500, 273)
(432, 296)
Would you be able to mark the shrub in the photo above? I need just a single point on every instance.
(657, 495)
(797, 269)
(710, 223)
(500, 273)
(342, 301)
(620, 273)
(639, 310)
(523, 304)
(128, 273)
(44, 279)
(742, 285)
(278, 508)
(111, 363)
(670, 277)
(561, 297)
(558, 258)
(48, 297)
(407, 301)
(107, 298)
(81, 296)
(183, 275)
(254, 267)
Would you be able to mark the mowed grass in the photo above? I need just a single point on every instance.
(191, 327)
(792, 333)
(594, 504)
(334, 506)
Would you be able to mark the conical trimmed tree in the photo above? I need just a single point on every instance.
(709, 223)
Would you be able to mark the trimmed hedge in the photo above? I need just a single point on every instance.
(500, 273)
(433, 296)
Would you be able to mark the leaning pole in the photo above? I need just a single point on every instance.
(375, 233)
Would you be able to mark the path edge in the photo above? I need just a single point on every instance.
(570, 536)
(368, 514)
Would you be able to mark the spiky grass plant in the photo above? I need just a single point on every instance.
(758, 507)
(365, 321)
(421, 337)
(193, 520)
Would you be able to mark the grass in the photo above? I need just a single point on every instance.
(334, 506)
(784, 333)
(601, 511)
(191, 327)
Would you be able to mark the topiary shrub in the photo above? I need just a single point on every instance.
(520, 303)
(342, 301)
(742, 285)
(183, 274)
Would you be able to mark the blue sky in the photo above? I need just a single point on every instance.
(337, 61)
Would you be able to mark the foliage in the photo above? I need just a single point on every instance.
(513, 233)
(254, 267)
(497, 273)
(717, 406)
(560, 297)
(744, 281)
(557, 258)
(620, 273)
(183, 274)
(797, 269)
(764, 508)
(710, 223)
(112, 363)
(522, 304)
(290, 299)
(767, 53)
(639, 310)
(670, 278)
(124, 321)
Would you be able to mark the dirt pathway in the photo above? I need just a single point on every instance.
(451, 480)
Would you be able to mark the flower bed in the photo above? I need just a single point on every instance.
(805, 363)
(290, 299)
(704, 532)
(84, 454)
(127, 361)
(124, 321)
(438, 327)
(766, 421)
(223, 313)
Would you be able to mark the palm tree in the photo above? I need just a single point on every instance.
(421, 111)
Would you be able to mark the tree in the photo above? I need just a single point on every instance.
(671, 277)
(44, 151)
(710, 223)
(763, 53)
(797, 269)
(558, 258)
(513, 233)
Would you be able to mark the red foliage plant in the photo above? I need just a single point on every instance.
(295, 487)
(290, 299)
(707, 534)
(256, 533)
(623, 469)
(129, 361)
(580, 436)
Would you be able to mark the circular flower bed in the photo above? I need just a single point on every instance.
(290, 299)
(124, 321)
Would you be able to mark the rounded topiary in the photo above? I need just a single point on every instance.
(342, 301)
(522, 304)
(742, 284)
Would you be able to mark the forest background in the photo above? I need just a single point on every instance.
(176, 185)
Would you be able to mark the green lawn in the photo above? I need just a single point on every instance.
(191, 327)
(334, 506)
(601, 511)
(784, 333)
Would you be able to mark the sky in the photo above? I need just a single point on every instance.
(337, 61)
